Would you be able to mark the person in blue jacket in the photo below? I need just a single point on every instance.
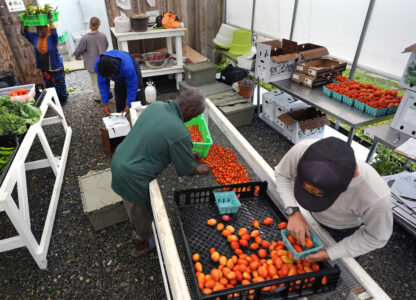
(48, 58)
(125, 71)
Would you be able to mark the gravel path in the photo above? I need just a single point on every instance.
(84, 264)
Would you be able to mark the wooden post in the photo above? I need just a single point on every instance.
(18, 53)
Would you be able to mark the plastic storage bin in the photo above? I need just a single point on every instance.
(200, 73)
(38, 20)
(239, 114)
(246, 61)
(317, 245)
(29, 87)
(227, 202)
(201, 148)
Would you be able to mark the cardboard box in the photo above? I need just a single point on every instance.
(299, 125)
(311, 51)
(117, 125)
(298, 77)
(323, 67)
(312, 82)
(405, 117)
(277, 102)
(276, 60)
(408, 79)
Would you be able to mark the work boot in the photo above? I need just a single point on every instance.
(142, 247)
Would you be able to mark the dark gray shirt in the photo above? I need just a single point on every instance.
(90, 47)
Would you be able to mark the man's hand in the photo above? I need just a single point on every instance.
(196, 156)
(126, 110)
(106, 109)
(201, 169)
(318, 256)
(298, 227)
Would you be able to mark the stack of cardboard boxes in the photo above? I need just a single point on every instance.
(318, 72)
(405, 118)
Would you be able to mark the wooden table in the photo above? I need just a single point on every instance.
(341, 111)
(168, 34)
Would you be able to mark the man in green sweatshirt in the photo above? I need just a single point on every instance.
(346, 196)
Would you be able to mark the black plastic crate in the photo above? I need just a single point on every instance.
(8, 141)
(196, 206)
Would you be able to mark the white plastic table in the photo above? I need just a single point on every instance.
(19, 214)
(168, 34)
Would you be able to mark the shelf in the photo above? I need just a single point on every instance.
(163, 71)
(314, 97)
(149, 34)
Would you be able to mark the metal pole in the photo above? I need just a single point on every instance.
(292, 27)
(224, 15)
(362, 37)
(253, 12)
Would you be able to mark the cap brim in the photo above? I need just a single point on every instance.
(310, 202)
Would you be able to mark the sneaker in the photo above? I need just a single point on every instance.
(143, 248)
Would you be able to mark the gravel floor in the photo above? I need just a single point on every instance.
(84, 264)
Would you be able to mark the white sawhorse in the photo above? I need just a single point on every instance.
(20, 215)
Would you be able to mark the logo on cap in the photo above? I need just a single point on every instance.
(313, 190)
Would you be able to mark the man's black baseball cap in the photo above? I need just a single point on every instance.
(324, 172)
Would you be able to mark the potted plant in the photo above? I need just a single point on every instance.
(246, 87)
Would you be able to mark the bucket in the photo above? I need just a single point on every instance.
(241, 43)
(224, 36)
(139, 23)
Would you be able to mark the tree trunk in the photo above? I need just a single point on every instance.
(18, 53)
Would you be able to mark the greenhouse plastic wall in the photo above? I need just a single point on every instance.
(337, 25)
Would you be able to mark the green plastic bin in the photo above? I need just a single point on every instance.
(241, 43)
(201, 148)
(38, 20)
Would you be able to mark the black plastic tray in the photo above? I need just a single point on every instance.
(8, 141)
(196, 206)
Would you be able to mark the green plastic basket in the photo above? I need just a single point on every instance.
(376, 112)
(391, 110)
(347, 100)
(241, 43)
(63, 38)
(359, 105)
(38, 20)
(336, 96)
(316, 242)
(227, 202)
(327, 92)
(201, 148)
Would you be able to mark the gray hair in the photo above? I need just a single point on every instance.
(192, 98)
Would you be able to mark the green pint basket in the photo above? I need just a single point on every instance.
(201, 148)
(227, 202)
(317, 245)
